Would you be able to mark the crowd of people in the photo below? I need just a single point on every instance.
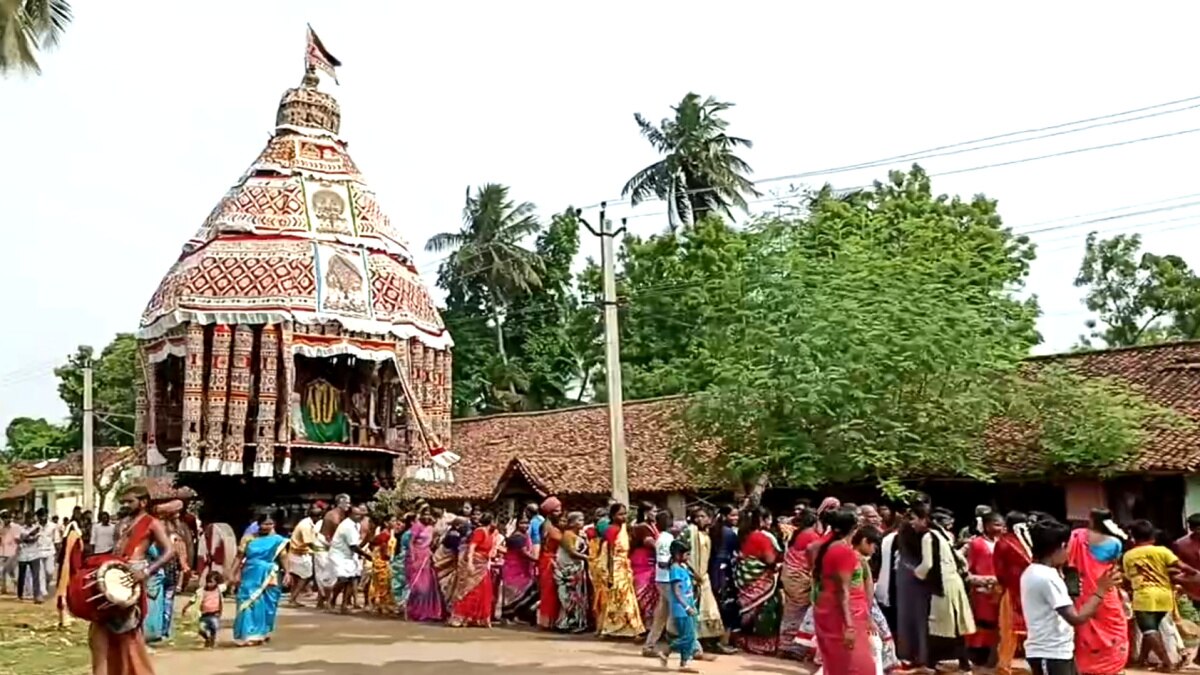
(847, 588)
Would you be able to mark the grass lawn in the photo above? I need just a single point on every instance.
(32, 644)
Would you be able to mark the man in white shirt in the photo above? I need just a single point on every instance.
(103, 535)
(48, 540)
(662, 579)
(29, 561)
(1050, 615)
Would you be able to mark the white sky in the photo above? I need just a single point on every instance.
(150, 111)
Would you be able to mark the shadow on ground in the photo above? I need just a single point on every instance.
(416, 668)
(302, 628)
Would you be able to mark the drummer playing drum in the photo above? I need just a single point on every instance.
(125, 653)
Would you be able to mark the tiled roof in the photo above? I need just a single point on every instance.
(16, 490)
(1167, 374)
(566, 452)
(72, 463)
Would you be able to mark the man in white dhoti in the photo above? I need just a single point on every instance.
(345, 551)
(300, 555)
(323, 570)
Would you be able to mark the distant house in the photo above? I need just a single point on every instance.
(512, 458)
(515, 458)
(57, 484)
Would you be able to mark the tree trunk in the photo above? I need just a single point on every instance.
(499, 336)
(512, 388)
(754, 493)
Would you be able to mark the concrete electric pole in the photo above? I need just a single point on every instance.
(89, 454)
(612, 356)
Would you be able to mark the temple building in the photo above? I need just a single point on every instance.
(292, 349)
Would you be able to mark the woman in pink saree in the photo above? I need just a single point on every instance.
(643, 536)
(424, 594)
(1102, 644)
(518, 577)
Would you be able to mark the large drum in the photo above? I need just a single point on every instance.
(104, 590)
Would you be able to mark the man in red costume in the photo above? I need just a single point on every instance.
(125, 653)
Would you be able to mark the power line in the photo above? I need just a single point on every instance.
(993, 165)
(911, 156)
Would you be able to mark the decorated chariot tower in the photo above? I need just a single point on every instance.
(294, 336)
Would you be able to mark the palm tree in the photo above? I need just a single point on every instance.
(487, 252)
(27, 27)
(699, 171)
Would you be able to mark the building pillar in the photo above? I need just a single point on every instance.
(268, 393)
(218, 398)
(239, 400)
(193, 398)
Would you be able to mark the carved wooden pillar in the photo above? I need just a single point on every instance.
(193, 398)
(447, 396)
(429, 396)
(218, 397)
(268, 392)
(289, 386)
(436, 404)
(416, 378)
(239, 400)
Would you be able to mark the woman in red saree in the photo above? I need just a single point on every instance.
(643, 535)
(475, 595)
(841, 612)
(1014, 553)
(1102, 644)
(796, 579)
(985, 597)
(548, 605)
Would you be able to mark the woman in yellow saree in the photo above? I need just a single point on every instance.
(621, 616)
(596, 564)
(708, 618)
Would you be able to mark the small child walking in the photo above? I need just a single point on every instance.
(683, 609)
(209, 599)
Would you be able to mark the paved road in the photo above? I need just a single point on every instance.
(312, 643)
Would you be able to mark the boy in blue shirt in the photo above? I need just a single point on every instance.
(683, 608)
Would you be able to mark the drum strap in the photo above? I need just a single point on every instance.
(138, 532)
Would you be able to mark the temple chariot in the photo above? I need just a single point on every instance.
(292, 351)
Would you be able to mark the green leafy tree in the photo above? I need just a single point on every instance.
(28, 27)
(114, 391)
(699, 171)
(1140, 297)
(875, 337)
(488, 264)
(540, 323)
(35, 438)
(672, 283)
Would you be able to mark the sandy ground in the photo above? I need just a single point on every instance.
(311, 643)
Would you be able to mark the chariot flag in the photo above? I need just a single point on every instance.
(319, 58)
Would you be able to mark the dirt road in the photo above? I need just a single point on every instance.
(311, 643)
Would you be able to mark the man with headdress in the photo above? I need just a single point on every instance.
(551, 538)
(121, 649)
(177, 571)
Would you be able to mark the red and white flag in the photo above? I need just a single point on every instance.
(319, 58)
